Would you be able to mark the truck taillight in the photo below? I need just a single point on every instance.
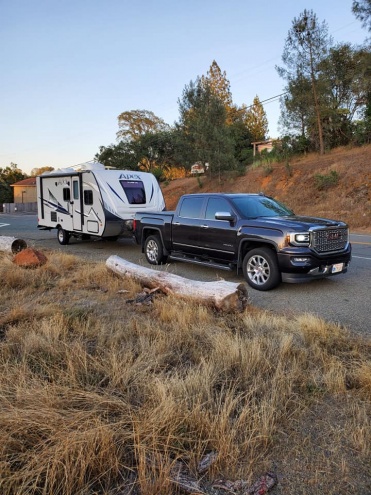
(134, 225)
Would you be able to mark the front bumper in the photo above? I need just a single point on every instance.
(303, 265)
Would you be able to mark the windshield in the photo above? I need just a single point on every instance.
(260, 206)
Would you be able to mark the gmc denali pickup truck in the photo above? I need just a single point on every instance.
(252, 232)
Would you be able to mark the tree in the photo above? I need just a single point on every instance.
(121, 156)
(156, 152)
(256, 121)
(41, 170)
(152, 152)
(220, 87)
(343, 77)
(306, 46)
(9, 175)
(135, 123)
(217, 81)
(296, 104)
(203, 129)
(362, 10)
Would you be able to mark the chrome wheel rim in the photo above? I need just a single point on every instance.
(258, 270)
(152, 251)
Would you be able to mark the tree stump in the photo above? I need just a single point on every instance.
(222, 295)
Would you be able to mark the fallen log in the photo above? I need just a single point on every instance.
(11, 244)
(222, 295)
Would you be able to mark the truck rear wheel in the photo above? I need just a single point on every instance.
(63, 236)
(154, 250)
(260, 269)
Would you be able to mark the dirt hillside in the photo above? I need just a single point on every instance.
(336, 185)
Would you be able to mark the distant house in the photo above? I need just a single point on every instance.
(259, 146)
(198, 168)
(24, 191)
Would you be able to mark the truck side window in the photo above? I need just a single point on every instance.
(216, 205)
(66, 194)
(191, 208)
(88, 197)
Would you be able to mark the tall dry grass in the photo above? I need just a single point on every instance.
(101, 396)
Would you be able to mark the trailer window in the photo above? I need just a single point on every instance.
(66, 194)
(88, 197)
(75, 189)
(134, 190)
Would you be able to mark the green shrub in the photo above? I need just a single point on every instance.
(326, 181)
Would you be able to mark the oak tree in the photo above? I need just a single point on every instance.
(135, 123)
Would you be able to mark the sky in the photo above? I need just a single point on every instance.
(70, 67)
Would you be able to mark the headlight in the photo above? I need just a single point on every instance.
(299, 239)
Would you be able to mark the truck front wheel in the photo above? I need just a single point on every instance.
(154, 251)
(63, 236)
(260, 269)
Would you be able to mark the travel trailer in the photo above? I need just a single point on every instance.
(88, 200)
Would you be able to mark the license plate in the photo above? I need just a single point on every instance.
(338, 267)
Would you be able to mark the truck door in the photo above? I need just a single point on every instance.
(185, 228)
(76, 204)
(218, 237)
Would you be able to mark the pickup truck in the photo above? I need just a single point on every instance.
(252, 232)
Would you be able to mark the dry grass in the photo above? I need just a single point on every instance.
(103, 397)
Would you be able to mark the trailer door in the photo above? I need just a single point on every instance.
(76, 206)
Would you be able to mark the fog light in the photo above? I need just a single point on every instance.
(300, 260)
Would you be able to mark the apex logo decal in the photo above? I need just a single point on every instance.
(129, 176)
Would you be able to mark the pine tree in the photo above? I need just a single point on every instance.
(362, 10)
(256, 121)
(220, 87)
(205, 133)
(306, 47)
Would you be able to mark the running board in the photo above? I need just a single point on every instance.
(211, 264)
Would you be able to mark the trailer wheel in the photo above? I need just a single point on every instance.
(63, 236)
(154, 250)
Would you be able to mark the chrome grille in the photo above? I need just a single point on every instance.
(324, 241)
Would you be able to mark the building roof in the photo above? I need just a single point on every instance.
(31, 181)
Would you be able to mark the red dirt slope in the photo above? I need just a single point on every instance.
(295, 185)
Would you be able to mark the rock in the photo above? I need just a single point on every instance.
(30, 258)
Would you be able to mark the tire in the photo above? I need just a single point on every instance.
(154, 250)
(63, 236)
(260, 269)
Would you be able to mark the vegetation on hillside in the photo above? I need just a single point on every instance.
(336, 185)
(326, 103)
(102, 396)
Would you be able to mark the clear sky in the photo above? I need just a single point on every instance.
(70, 67)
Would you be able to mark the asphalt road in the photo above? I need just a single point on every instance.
(345, 299)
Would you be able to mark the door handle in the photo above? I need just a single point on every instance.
(176, 223)
(204, 226)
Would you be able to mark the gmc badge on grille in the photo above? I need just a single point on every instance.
(333, 236)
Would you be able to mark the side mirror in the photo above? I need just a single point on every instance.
(225, 215)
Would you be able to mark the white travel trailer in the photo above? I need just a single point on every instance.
(89, 200)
